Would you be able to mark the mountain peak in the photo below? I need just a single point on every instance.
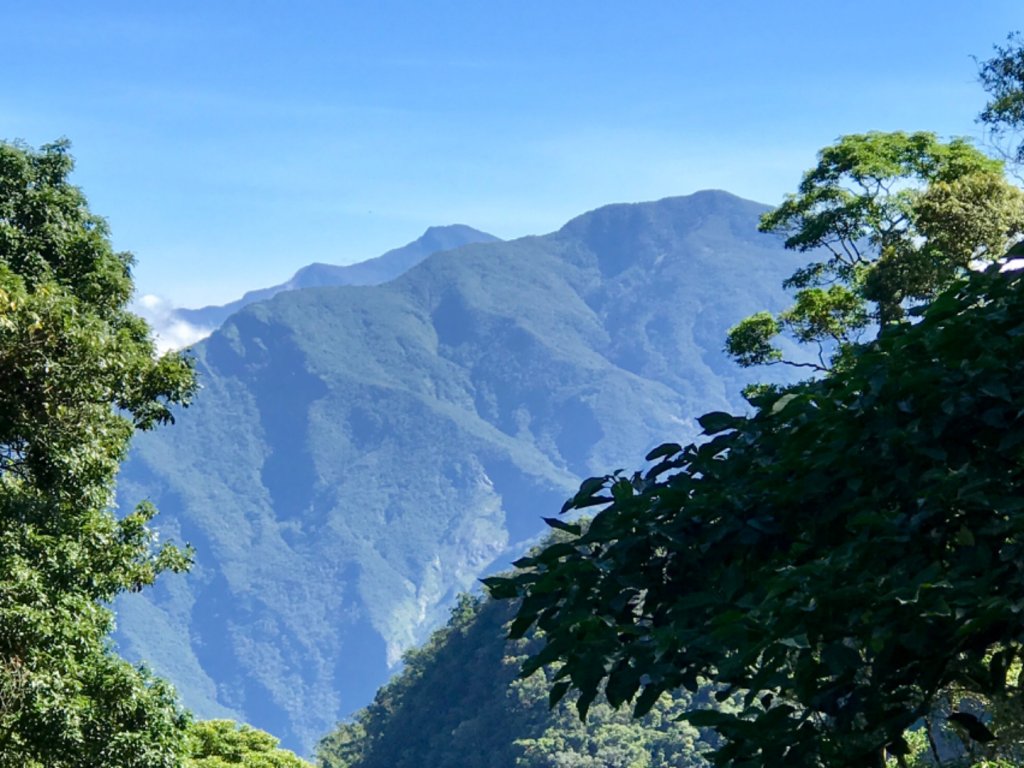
(370, 272)
(616, 233)
(453, 228)
(702, 202)
(450, 236)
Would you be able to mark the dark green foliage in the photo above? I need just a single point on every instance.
(844, 558)
(77, 378)
(458, 704)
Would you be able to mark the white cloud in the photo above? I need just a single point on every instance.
(169, 331)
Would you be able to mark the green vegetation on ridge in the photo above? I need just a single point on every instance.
(458, 704)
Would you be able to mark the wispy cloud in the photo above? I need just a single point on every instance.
(169, 331)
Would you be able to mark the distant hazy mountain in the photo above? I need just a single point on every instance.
(370, 272)
(358, 455)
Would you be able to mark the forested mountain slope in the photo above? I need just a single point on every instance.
(458, 704)
(359, 455)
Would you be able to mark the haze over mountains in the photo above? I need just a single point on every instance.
(360, 454)
(179, 327)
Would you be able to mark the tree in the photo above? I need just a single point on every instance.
(842, 558)
(893, 218)
(1002, 77)
(77, 376)
(225, 743)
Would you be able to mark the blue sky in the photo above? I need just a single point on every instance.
(230, 143)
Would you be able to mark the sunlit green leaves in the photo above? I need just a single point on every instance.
(77, 377)
(225, 743)
(894, 218)
(750, 341)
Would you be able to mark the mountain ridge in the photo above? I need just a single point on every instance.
(361, 454)
(378, 269)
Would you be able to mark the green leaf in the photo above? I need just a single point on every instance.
(798, 641)
(707, 718)
(780, 404)
(586, 698)
(964, 537)
(717, 421)
(584, 496)
(665, 449)
(561, 525)
(557, 693)
(500, 588)
(622, 684)
(646, 700)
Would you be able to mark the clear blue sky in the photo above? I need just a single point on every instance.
(229, 143)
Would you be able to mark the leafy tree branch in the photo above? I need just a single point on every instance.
(78, 376)
(843, 559)
(895, 218)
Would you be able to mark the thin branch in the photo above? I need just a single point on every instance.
(836, 253)
(852, 257)
(812, 366)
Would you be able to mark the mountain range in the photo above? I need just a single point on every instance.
(358, 455)
(184, 325)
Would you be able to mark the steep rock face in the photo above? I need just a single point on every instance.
(358, 455)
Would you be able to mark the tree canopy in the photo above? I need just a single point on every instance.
(78, 376)
(842, 558)
(225, 743)
(892, 219)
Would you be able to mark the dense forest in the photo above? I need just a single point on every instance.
(833, 579)
(459, 701)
